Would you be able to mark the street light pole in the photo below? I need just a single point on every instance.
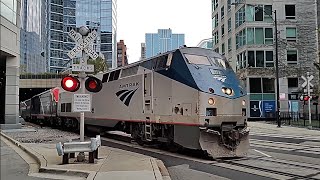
(277, 71)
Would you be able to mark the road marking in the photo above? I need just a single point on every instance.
(262, 153)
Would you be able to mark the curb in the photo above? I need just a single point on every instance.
(43, 163)
(163, 170)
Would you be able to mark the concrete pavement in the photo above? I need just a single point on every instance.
(112, 164)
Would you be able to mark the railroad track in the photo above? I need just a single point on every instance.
(246, 168)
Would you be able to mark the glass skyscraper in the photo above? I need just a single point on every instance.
(33, 36)
(162, 41)
(64, 15)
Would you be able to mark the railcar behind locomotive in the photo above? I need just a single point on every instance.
(189, 97)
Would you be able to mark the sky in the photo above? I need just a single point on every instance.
(137, 17)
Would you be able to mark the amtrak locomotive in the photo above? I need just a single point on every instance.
(189, 97)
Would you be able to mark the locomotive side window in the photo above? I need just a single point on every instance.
(160, 63)
(114, 75)
(196, 59)
(129, 71)
(63, 107)
(68, 107)
(105, 77)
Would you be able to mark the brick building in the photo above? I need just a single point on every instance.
(122, 59)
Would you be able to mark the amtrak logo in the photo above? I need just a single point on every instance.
(222, 79)
(126, 95)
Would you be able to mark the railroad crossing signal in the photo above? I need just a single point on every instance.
(307, 84)
(83, 44)
(307, 81)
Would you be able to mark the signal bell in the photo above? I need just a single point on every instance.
(93, 84)
(70, 83)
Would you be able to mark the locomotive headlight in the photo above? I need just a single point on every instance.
(211, 101)
(243, 102)
(228, 91)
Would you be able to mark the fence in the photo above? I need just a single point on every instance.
(299, 119)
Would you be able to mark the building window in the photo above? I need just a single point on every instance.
(222, 12)
(216, 50)
(292, 56)
(229, 44)
(262, 85)
(229, 25)
(222, 30)
(290, 11)
(260, 58)
(240, 17)
(269, 59)
(241, 60)
(8, 9)
(293, 82)
(250, 35)
(214, 4)
(255, 85)
(223, 49)
(215, 22)
(258, 16)
(229, 5)
(259, 13)
(215, 38)
(268, 36)
(259, 36)
(268, 13)
(268, 85)
(241, 39)
(291, 33)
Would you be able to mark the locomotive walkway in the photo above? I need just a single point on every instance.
(112, 163)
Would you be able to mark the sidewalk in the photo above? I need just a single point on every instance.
(268, 129)
(112, 163)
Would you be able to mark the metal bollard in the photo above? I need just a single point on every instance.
(91, 157)
(65, 158)
(96, 153)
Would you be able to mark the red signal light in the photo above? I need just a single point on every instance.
(70, 83)
(93, 84)
(306, 98)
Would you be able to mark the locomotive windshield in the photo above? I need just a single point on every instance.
(196, 59)
(218, 62)
(204, 60)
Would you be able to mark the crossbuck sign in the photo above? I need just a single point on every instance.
(82, 44)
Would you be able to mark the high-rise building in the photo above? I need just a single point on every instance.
(33, 36)
(245, 35)
(99, 15)
(122, 58)
(162, 41)
(9, 63)
(143, 51)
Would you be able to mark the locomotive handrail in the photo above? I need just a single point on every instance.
(64, 149)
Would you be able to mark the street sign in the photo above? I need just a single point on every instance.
(83, 67)
(83, 44)
(306, 81)
(81, 103)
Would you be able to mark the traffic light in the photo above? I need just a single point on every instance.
(70, 83)
(93, 84)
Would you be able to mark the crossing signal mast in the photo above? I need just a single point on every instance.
(72, 83)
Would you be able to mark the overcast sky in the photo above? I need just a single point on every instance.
(137, 17)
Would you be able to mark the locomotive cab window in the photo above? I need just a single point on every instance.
(196, 59)
(222, 63)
